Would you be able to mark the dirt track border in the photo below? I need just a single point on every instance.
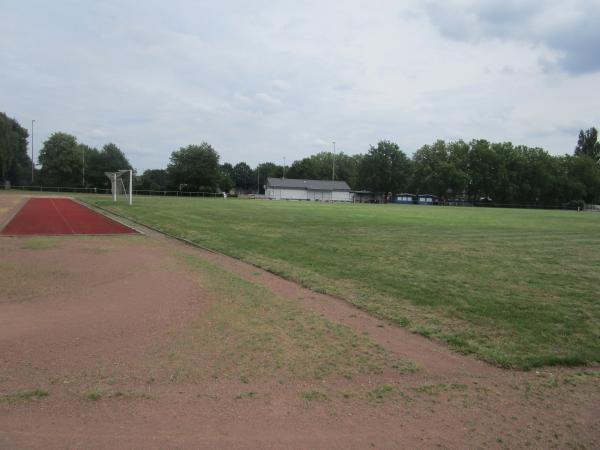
(11, 215)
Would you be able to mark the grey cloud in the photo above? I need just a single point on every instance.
(569, 28)
(280, 85)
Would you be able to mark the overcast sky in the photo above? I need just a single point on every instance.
(261, 80)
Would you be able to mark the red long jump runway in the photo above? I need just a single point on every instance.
(56, 216)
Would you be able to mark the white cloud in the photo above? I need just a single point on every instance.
(267, 99)
(242, 99)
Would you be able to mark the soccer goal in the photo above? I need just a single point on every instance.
(118, 186)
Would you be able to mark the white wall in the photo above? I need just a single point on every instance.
(303, 194)
(323, 196)
(286, 194)
(341, 196)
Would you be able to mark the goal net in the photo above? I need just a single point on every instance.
(121, 184)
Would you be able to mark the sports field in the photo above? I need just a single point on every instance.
(142, 341)
(516, 287)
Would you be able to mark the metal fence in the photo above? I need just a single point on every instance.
(200, 194)
(80, 190)
(521, 205)
(136, 192)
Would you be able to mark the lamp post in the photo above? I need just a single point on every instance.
(333, 170)
(32, 163)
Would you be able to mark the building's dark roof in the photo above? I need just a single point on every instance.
(316, 185)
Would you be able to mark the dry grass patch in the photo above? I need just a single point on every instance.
(249, 332)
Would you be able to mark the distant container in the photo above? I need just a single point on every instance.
(404, 199)
(428, 199)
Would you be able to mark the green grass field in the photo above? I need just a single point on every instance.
(520, 288)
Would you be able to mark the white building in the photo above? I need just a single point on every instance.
(320, 190)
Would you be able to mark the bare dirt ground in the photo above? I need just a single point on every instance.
(89, 328)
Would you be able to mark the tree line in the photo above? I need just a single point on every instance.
(63, 161)
(475, 171)
(15, 164)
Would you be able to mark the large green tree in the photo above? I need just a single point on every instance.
(113, 159)
(588, 145)
(195, 168)
(583, 178)
(61, 161)
(435, 171)
(15, 165)
(110, 159)
(320, 167)
(226, 180)
(482, 164)
(94, 177)
(385, 169)
(536, 176)
(243, 176)
(152, 180)
(266, 170)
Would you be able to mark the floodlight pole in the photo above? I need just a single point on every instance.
(333, 170)
(83, 166)
(114, 187)
(284, 167)
(257, 180)
(32, 163)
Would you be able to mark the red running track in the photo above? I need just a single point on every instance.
(50, 216)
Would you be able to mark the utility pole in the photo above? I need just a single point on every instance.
(131, 187)
(83, 166)
(32, 163)
(333, 170)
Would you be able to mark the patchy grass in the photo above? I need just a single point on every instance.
(515, 287)
(39, 243)
(130, 395)
(314, 395)
(24, 396)
(94, 394)
(547, 384)
(20, 283)
(248, 332)
(103, 393)
(437, 389)
(246, 395)
(386, 392)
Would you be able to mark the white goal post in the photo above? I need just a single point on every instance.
(117, 186)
